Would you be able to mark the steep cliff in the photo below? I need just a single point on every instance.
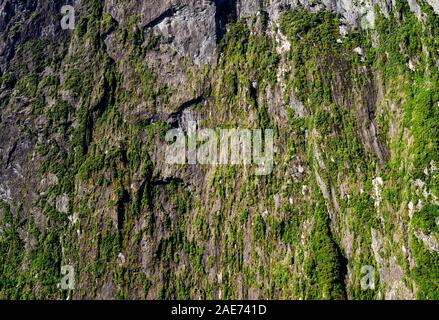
(350, 89)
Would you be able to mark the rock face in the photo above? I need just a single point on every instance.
(434, 4)
(349, 89)
(188, 27)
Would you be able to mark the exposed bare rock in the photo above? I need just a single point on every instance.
(429, 240)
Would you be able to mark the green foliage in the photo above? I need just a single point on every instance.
(426, 271)
(251, 57)
(259, 228)
(328, 260)
(104, 159)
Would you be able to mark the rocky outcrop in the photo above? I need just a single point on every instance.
(83, 119)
